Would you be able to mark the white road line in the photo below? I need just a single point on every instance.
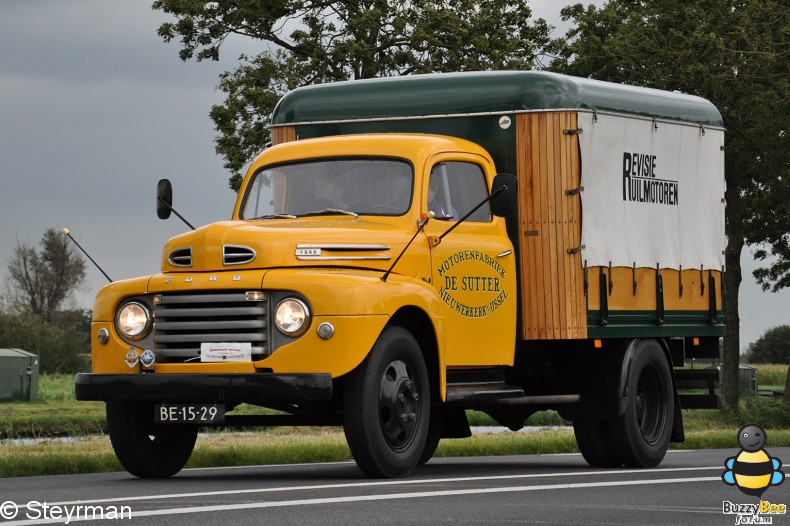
(342, 462)
(398, 482)
(381, 497)
(301, 464)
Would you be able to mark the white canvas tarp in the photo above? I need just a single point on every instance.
(653, 193)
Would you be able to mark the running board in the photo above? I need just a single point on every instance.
(489, 388)
(479, 385)
(482, 391)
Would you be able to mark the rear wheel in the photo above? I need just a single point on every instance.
(387, 405)
(146, 449)
(641, 434)
(595, 445)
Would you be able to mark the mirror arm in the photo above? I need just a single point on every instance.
(175, 212)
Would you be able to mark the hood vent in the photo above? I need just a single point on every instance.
(180, 257)
(237, 255)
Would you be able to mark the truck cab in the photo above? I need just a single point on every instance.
(335, 245)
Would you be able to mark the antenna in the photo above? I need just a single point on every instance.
(67, 233)
(421, 223)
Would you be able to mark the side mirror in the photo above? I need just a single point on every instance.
(504, 195)
(164, 198)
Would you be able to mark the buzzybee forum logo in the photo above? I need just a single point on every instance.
(753, 471)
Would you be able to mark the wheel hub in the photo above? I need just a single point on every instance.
(649, 414)
(399, 407)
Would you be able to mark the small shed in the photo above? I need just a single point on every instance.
(18, 375)
(747, 380)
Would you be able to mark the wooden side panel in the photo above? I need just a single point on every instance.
(283, 134)
(635, 289)
(552, 279)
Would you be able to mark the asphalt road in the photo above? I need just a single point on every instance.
(537, 489)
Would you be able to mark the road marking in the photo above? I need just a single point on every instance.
(386, 496)
(398, 482)
(351, 462)
(302, 464)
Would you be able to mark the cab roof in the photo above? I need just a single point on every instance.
(375, 144)
(474, 93)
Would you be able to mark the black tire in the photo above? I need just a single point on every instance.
(432, 438)
(146, 449)
(387, 406)
(641, 435)
(595, 445)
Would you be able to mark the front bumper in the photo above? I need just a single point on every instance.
(204, 388)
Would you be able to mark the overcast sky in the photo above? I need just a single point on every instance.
(95, 108)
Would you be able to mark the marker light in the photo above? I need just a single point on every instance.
(325, 330)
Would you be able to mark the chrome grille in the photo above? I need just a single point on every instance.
(237, 255)
(183, 321)
(181, 257)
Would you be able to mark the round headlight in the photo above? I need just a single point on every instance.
(133, 321)
(292, 317)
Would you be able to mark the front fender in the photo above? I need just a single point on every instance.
(111, 295)
(349, 292)
(358, 305)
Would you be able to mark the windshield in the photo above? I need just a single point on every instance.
(330, 186)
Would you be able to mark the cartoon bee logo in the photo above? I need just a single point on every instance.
(752, 470)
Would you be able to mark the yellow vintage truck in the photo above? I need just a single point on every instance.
(377, 273)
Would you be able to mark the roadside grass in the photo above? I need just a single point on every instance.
(56, 387)
(88, 449)
(56, 413)
(46, 418)
(93, 454)
(771, 375)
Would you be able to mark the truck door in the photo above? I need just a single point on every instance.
(473, 267)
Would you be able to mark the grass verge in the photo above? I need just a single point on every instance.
(93, 454)
(771, 374)
(48, 418)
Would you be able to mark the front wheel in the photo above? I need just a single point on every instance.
(387, 406)
(433, 437)
(144, 448)
(641, 434)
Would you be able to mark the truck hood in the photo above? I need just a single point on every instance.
(304, 242)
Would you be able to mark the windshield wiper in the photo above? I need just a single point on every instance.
(274, 216)
(331, 211)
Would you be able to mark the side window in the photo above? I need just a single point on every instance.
(455, 188)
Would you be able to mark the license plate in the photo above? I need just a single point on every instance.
(189, 413)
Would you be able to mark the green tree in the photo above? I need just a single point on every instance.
(735, 53)
(60, 350)
(341, 40)
(42, 281)
(772, 347)
(787, 386)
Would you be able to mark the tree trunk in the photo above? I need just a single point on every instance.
(732, 284)
(787, 387)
